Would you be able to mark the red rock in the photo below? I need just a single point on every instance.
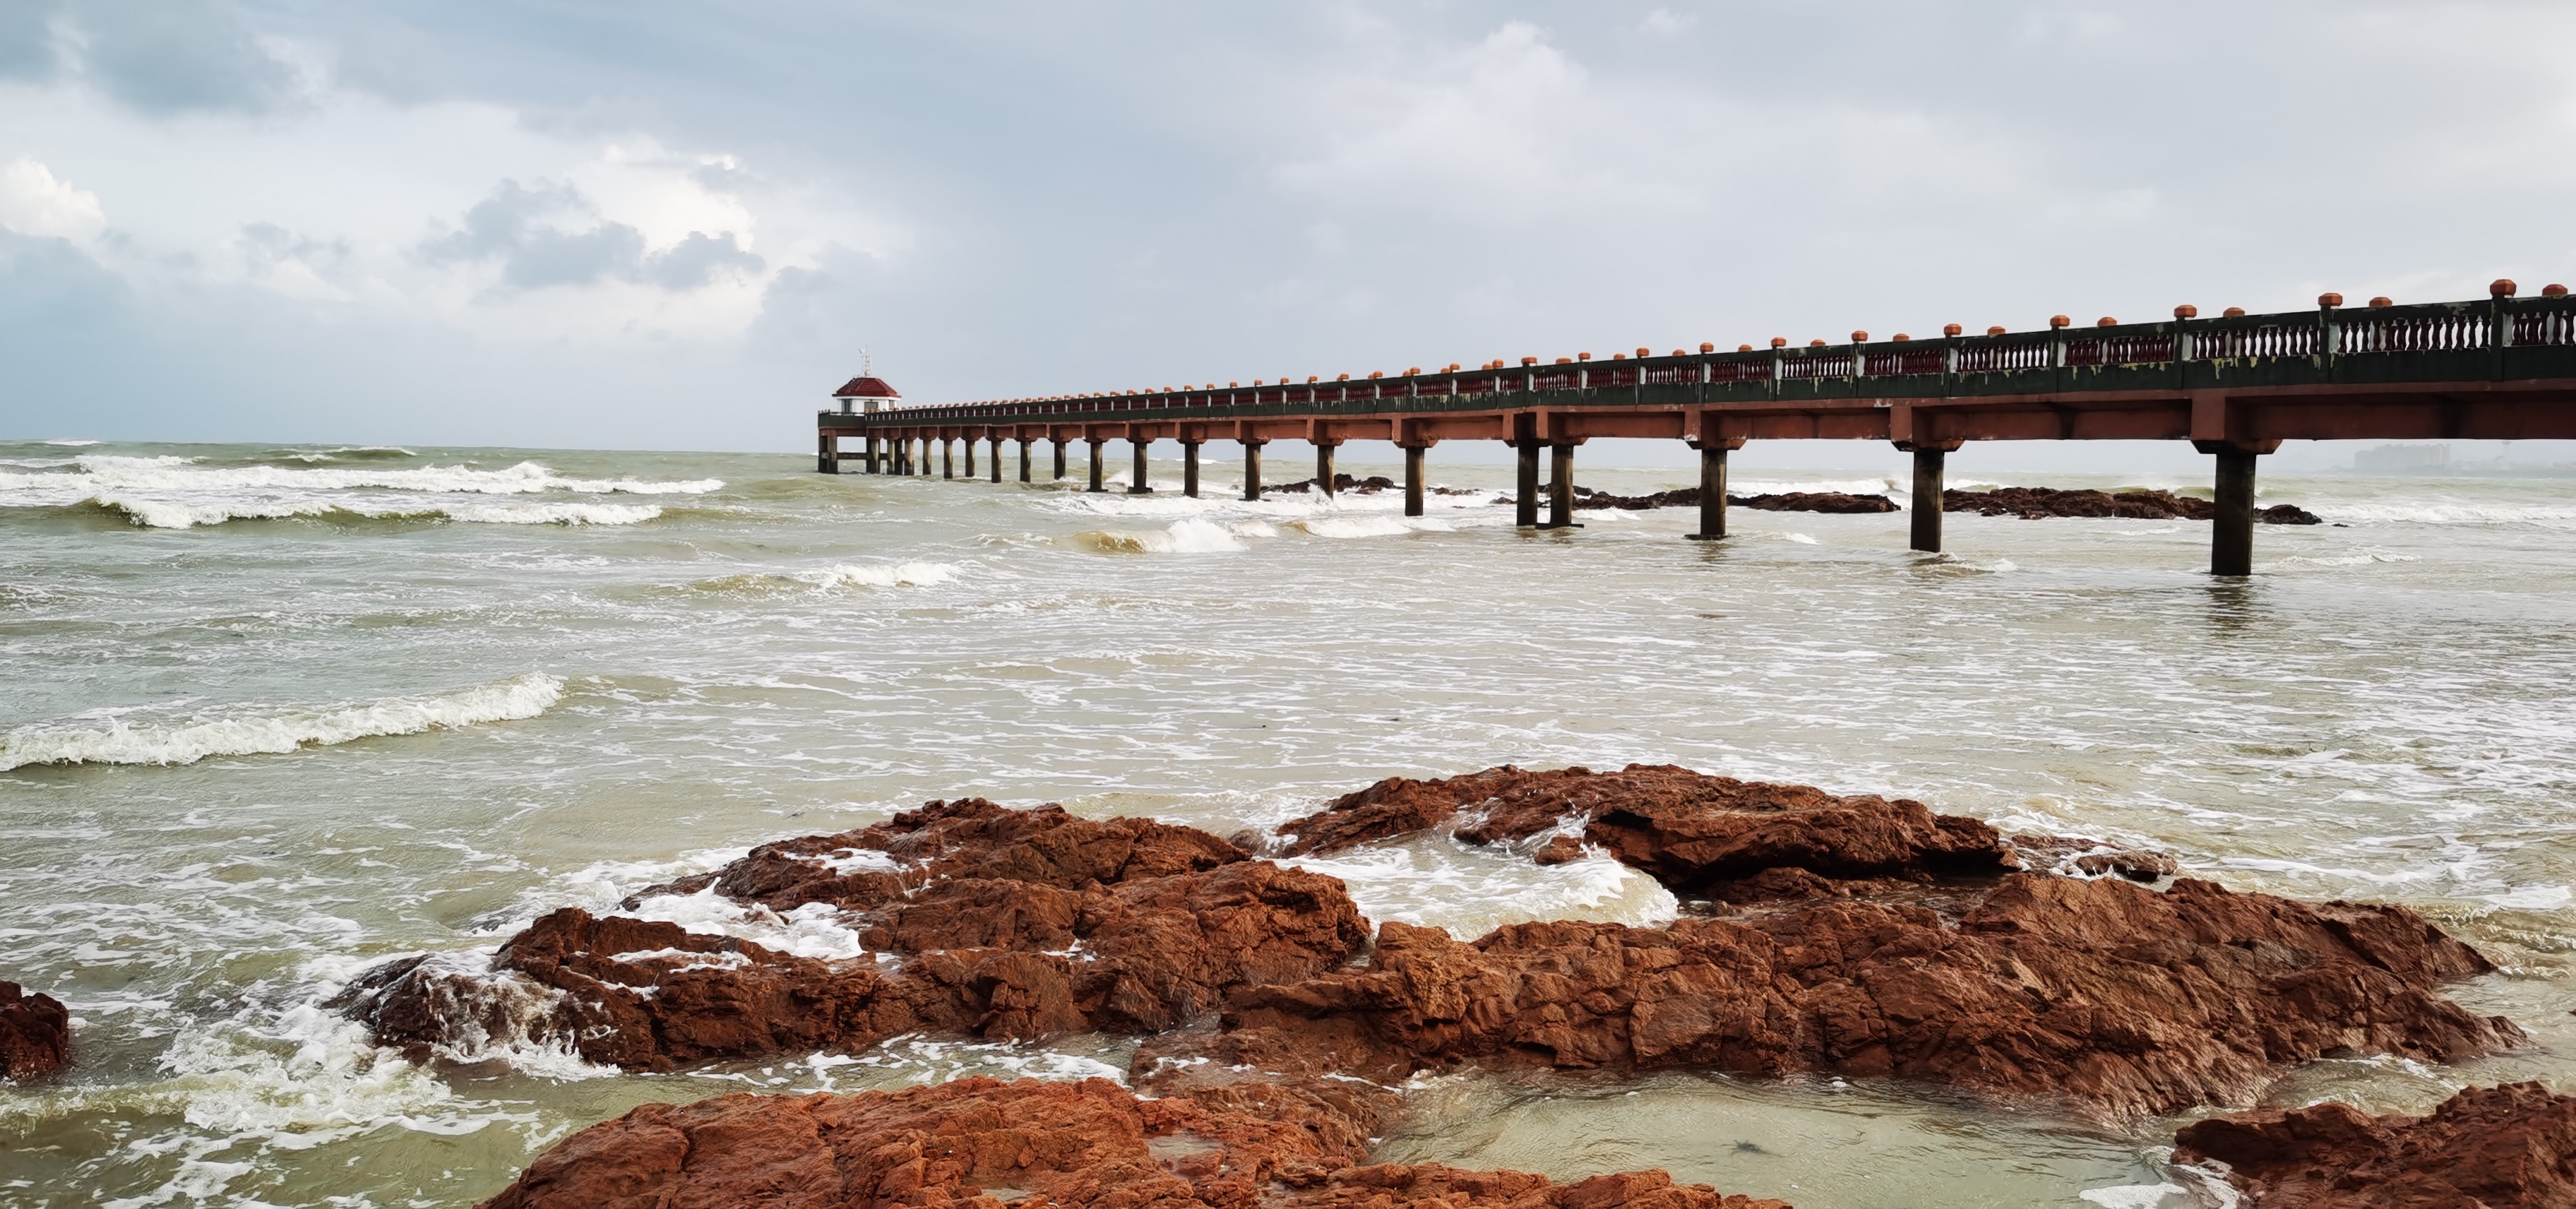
(981, 1142)
(2120, 1001)
(1011, 925)
(2034, 503)
(35, 1032)
(2508, 1147)
(1689, 830)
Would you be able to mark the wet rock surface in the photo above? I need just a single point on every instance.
(35, 1033)
(1859, 936)
(985, 921)
(2507, 1147)
(1689, 497)
(2034, 503)
(1693, 832)
(2114, 1000)
(981, 1142)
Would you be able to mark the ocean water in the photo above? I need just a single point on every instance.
(275, 714)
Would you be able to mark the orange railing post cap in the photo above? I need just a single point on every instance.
(1951, 329)
(2329, 298)
(1859, 337)
(1996, 330)
(2186, 311)
(2380, 303)
(2553, 291)
(2501, 287)
(1779, 342)
(2059, 321)
(2106, 321)
(2233, 312)
(1707, 347)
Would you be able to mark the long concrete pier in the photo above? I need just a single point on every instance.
(2235, 386)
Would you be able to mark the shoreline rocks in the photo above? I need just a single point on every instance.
(1858, 935)
(983, 1143)
(2506, 1147)
(35, 1033)
(986, 921)
(2036, 503)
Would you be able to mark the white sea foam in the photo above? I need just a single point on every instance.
(248, 733)
(817, 930)
(1471, 890)
(75, 442)
(1354, 526)
(174, 514)
(882, 575)
(2554, 516)
(106, 471)
(2363, 559)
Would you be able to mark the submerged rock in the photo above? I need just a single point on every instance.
(980, 1142)
(35, 1033)
(2034, 503)
(2115, 999)
(1693, 832)
(981, 921)
(2508, 1147)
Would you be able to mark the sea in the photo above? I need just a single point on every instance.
(276, 714)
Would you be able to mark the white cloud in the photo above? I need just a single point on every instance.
(33, 202)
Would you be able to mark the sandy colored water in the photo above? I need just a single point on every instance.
(276, 714)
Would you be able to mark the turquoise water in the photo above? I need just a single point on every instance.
(278, 713)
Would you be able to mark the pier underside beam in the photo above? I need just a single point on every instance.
(1136, 481)
(1413, 480)
(1252, 470)
(1190, 469)
(1096, 468)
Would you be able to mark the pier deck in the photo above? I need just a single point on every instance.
(2235, 386)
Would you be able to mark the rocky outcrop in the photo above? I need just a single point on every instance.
(1693, 832)
(2034, 503)
(980, 1142)
(984, 921)
(2117, 1000)
(35, 1033)
(2508, 1147)
(1689, 497)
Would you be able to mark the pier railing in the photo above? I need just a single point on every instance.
(2493, 338)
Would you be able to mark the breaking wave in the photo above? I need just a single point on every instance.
(1183, 537)
(174, 514)
(107, 472)
(239, 734)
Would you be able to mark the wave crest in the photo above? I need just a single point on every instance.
(523, 696)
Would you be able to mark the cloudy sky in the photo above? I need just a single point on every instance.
(676, 225)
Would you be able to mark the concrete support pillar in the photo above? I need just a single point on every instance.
(1324, 468)
(1560, 501)
(948, 457)
(1413, 480)
(1059, 459)
(1927, 499)
(1024, 458)
(997, 459)
(1525, 488)
(868, 454)
(1136, 483)
(970, 457)
(827, 455)
(899, 452)
(1190, 469)
(1252, 471)
(1096, 443)
(2231, 531)
(1712, 493)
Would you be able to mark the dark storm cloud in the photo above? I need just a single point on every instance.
(549, 236)
(158, 56)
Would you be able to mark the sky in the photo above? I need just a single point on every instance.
(651, 224)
